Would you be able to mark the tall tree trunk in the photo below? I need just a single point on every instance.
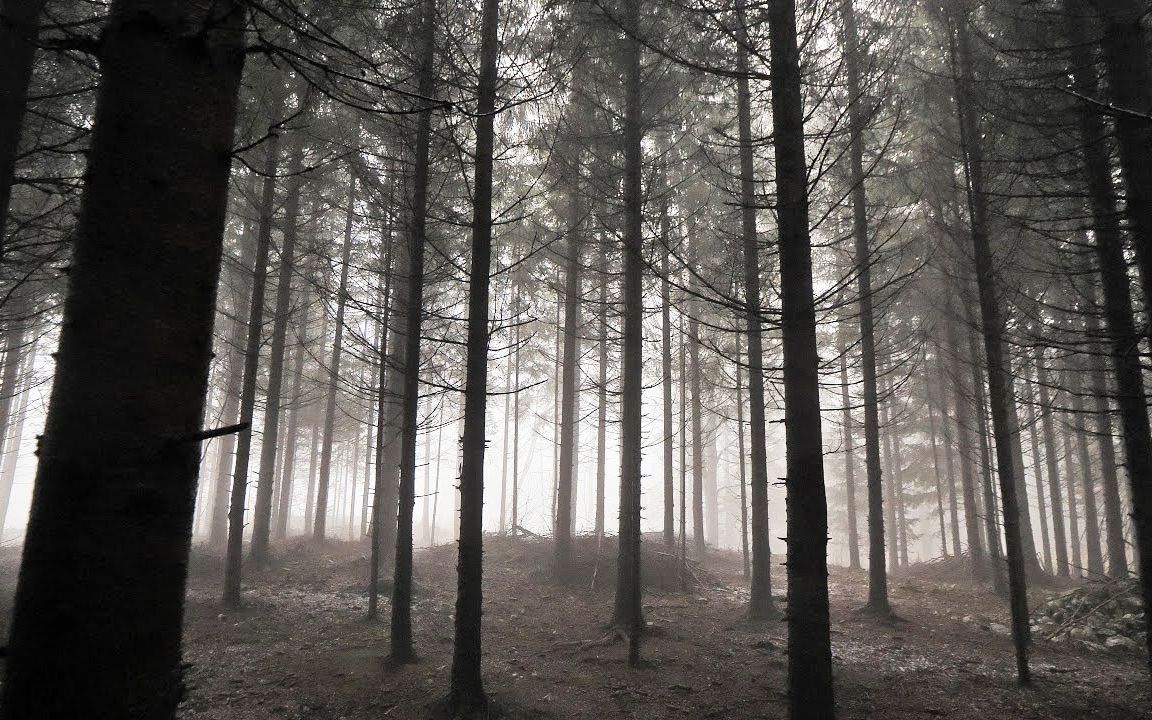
(1094, 553)
(319, 527)
(628, 611)
(1070, 497)
(234, 407)
(1128, 69)
(666, 379)
(760, 604)
(809, 640)
(877, 570)
(14, 351)
(740, 450)
(235, 539)
(381, 512)
(292, 434)
(936, 471)
(270, 440)
(966, 449)
(1118, 311)
(953, 510)
(19, 30)
(12, 449)
(467, 687)
(992, 324)
(1060, 542)
(849, 456)
(987, 474)
(1037, 470)
(602, 395)
(116, 480)
(1113, 512)
(695, 382)
(568, 393)
(401, 621)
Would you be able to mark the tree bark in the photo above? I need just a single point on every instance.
(569, 372)
(467, 695)
(849, 457)
(810, 690)
(628, 591)
(666, 379)
(19, 30)
(320, 525)
(760, 604)
(116, 480)
(270, 440)
(402, 650)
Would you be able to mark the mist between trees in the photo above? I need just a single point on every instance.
(637, 290)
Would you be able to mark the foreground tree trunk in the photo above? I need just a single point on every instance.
(468, 698)
(14, 352)
(809, 634)
(116, 481)
(666, 380)
(760, 604)
(19, 29)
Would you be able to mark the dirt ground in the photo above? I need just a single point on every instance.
(302, 648)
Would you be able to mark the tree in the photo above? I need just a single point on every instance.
(467, 686)
(117, 472)
(809, 631)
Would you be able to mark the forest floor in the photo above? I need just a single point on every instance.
(302, 649)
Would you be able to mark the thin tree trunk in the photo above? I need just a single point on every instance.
(116, 481)
(319, 526)
(849, 458)
(966, 449)
(262, 512)
(568, 393)
(740, 450)
(666, 381)
(379, 516)
(1037, 470)
(760, 604)
(953, 509)
(936, 471)
(14, 350)
(1094, 553)
(1070, 497)
(602, 395)
(401, 621)
(235, 537)
(288, 469)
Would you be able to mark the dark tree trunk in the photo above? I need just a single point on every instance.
(401, 621)
(809, 640)
(381, 513)
(116, 480)
(849, 457)
(320, 525)
(966, 450)
(467, 686)
(292, 434)
(760, 604)
(242, 337)
(740, 450)
(1037, 470)
(628, 591)
(14, 351)
(1113, 512)
(1060, 542)
(953, 510)
(1070, 498)
(568, 397)
(666, 380)
(695, 382)
(992, 324)
(270, 440)
(235, 537)
(19, 30)
(1118, 310)
(987, 474)
(936, 469)
(1094, 553)
(877, 570)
